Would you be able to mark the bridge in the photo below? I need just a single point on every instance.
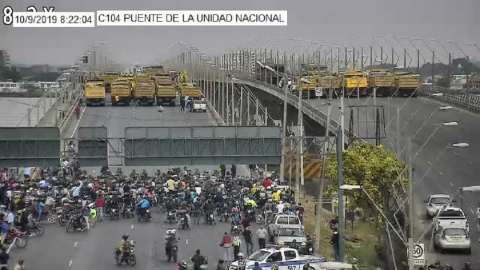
(229, 79)
(243, 126)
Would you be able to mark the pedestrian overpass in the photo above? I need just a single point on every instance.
(144, 146)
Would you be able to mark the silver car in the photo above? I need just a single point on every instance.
(290, 236)
(452, 239)
(436, 202)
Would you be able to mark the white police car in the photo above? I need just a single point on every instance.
(285, 258)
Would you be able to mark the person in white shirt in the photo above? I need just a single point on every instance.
(280, 207)
(10, 220)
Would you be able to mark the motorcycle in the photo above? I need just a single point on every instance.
(127, 257)
(183, 223)
(62, 216)
(259, 219)
(76, 223)
(172, 253)
(37, 228)
(211, 219)
(225, 216)
(114, 214)
(171, 217)
(128, 212)
(16, 236)
(144, 215)
(49, 215)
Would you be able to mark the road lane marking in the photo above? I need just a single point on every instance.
(186, 241)
(451, 184)
(70, 263)
(133, 226)
(75, 244)
(78, 122)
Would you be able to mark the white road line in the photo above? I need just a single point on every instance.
(186, 241)
(70, 263)
(451, 184)
(133, 226)
(473, 212)
(75, 244)
(78, 122)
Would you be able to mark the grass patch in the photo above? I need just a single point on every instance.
(360, 241)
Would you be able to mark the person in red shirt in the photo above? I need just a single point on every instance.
(300, 211)
(100, 205)
(245, 221)
(77, 112)
(266, 183)
(226, 244)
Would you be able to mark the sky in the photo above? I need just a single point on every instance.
(316, 20)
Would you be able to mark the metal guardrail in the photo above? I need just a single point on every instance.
(468, 101)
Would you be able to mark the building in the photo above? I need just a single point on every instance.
(10, 87)
(5, 58)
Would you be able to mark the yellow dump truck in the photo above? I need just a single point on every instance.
(189, 90)
(306, 87)
(109, 78)
(144, 92)
(383, 81)
(95, 93)
(121, 92)
(407, 84)
(166, 92)
(354, 82)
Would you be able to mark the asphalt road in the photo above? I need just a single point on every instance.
(94, 249)
(438, 168)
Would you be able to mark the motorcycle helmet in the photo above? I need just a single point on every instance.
(240, 256)
(125, 236)
(221, 261)
(184, 263)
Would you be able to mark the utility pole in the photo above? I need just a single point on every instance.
(298, 142)
(411, 264)
(284, 123)
(341, 217)
(319, 216)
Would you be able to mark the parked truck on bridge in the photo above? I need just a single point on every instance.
(354, 82)
(407, 84)
(189, 90)
(95, 93)
(109, 78)
(166, 92)
(121, 92)
(144, 92)
(383, 81)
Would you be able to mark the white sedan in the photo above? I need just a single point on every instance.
(436, 202)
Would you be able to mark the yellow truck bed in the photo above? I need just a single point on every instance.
(95, 93)
(355, 82)
(143, 89)
(193, 92)
(121, 89)
(166, 91)
(381, 81)
(407, 82)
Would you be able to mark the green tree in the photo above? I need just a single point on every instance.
(376, 169)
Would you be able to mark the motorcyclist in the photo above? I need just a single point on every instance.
(185, 211)
(171, 241)
(208, 208)
(143, 205)
(123, 246)
(250, 205)
(198, 260)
